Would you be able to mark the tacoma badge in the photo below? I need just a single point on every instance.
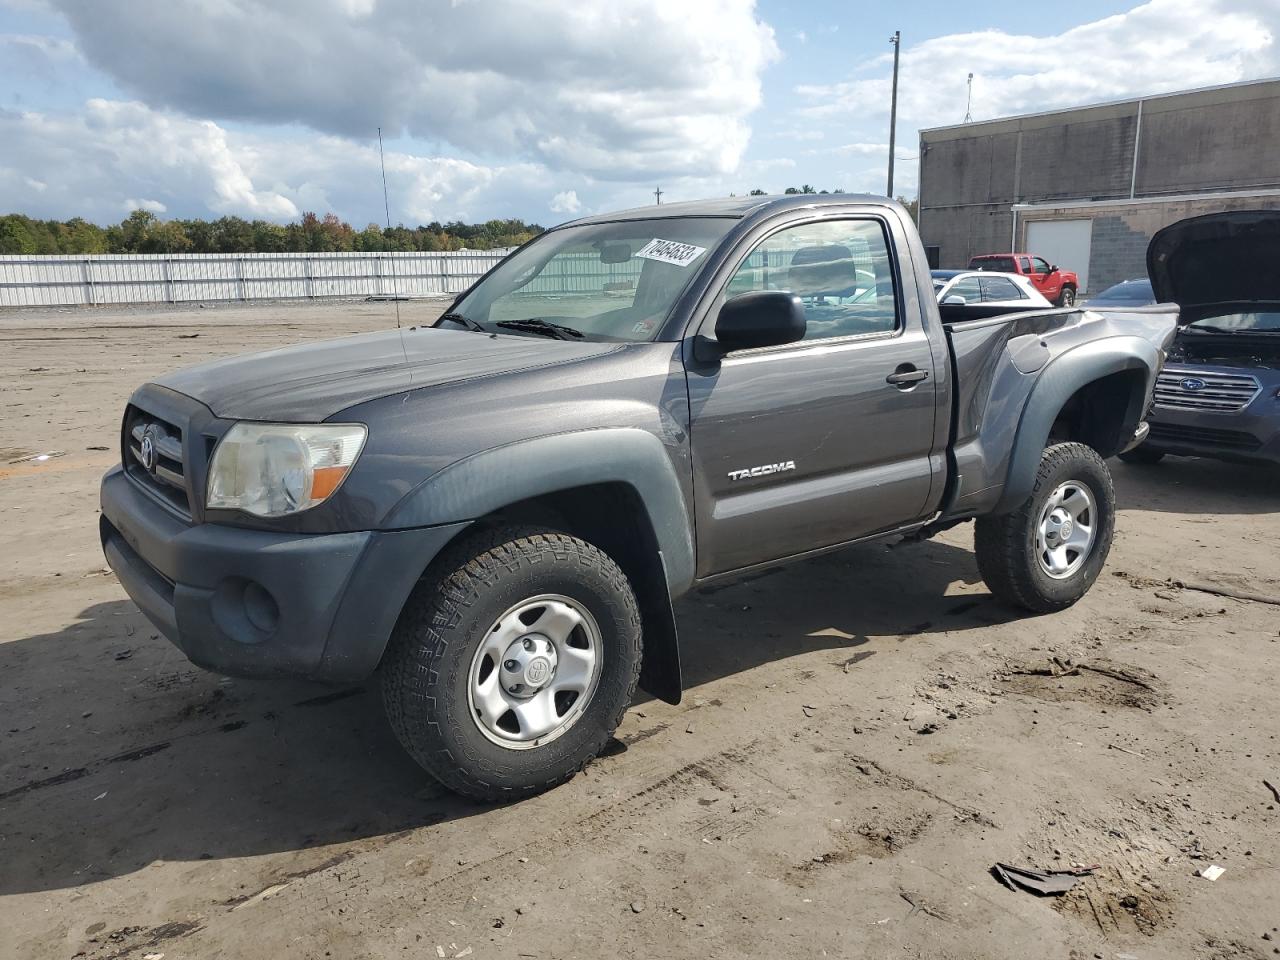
(762, 471)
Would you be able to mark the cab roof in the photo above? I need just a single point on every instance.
(734, 207)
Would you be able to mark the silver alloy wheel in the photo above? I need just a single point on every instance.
(1067, 529)
(535, 671)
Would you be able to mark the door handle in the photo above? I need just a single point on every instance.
(906, 376)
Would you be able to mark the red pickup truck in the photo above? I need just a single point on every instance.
(1057, 286)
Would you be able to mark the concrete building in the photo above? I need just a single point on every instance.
(1086, 188)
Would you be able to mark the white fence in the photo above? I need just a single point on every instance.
(96, 279)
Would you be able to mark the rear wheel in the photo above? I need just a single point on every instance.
(1142, 454)
(1045, 555)
(513, 662)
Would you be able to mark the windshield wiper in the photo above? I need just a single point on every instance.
(557, 331)
(465, 321)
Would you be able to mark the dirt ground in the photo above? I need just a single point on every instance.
(863, 737)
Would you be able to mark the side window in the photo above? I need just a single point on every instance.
(1042, 266)
(840, 269)
(1000, 288)
(967, 288)
(1025, 263)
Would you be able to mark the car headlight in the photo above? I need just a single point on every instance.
(275, 469)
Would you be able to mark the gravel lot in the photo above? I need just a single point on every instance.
(863, 737)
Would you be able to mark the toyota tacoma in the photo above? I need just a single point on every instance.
(494, 513)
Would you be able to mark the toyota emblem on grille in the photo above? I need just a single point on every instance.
(147, 449)
(1192, 384)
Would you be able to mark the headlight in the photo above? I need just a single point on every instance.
(274, 469)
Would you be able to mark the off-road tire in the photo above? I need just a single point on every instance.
(426, 671)
(1142, 454)
(1005, 543)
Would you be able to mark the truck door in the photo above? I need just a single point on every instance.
(824, 440)
(1048, 282)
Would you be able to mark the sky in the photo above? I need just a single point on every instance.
(545, 110)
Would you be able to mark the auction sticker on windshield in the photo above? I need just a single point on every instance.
(671, 251)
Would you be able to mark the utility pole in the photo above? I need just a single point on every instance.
(896, 40)
(657, 194)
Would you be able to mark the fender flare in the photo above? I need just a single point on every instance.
(1057, 383)
(488, 481)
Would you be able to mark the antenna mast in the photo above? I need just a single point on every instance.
(968, 104)
(395, 289)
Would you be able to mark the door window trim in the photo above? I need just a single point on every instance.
(749, 246)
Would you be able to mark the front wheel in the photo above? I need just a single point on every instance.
(1045, 555)
(1067, 298)
(513, 662)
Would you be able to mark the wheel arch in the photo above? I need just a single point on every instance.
(615, 488)
(1095, 394)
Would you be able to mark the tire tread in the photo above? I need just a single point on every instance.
(429, 624)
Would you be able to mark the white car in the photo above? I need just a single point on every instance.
(961, 287)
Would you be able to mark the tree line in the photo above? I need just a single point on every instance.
(143, 232)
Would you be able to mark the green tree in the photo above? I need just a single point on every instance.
(167, 236)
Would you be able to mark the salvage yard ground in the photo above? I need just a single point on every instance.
(863, 737)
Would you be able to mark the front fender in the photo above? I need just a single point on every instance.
(492, 479)
(1057, 383)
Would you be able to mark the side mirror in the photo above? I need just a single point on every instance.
(1053, 268)
(764, 318)
(955, 300)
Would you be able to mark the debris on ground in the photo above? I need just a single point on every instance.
(1212, 872)
(40, 457)
(1272, 787)
(1040, 882)
(1218, 590)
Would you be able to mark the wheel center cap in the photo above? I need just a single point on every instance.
(528, 665)
(538, 671)
(1064, 531)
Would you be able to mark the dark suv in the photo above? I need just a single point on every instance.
(1219, 394)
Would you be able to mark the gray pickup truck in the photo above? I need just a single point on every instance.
(494, 513)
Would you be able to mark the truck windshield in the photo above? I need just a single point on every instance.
(606, 281)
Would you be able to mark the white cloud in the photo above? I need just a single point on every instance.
(1159, 46)
(617, 91)
(151, 206)
(566, 201)
(113, 156)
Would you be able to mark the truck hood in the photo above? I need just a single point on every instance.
(1220, 258)
(313, 381)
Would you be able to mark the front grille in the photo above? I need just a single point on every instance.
(1190, 389)
(1175, 434)
(154, 456)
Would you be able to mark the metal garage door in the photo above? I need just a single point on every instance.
(1063, 242)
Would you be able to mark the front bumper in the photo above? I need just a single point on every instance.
(258, 603)
(1250, 435)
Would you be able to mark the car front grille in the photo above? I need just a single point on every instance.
(154, 457)
(1176, 434)
(1190, 389)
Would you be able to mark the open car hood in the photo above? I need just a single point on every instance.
(1218, 258)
